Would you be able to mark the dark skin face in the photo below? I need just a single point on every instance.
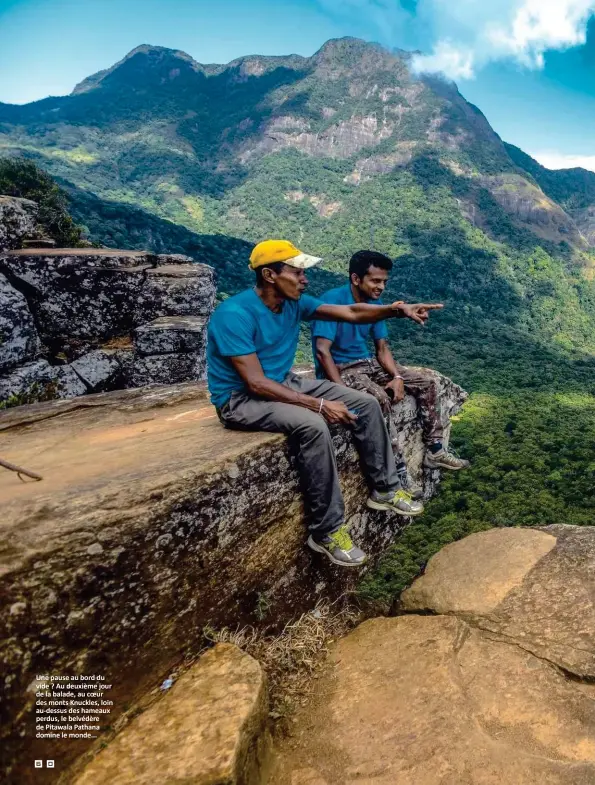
(288, 284)
(371, 286)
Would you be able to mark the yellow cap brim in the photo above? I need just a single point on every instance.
(303, 261)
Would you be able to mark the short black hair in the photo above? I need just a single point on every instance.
(276, 267)
(361, 261)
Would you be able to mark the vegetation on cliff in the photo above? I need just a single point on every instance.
(21, 177)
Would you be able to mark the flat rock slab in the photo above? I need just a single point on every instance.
(536, 588)
(422, 700)
(99, 447)
(475, 574)
(152, 520)
(208, 729)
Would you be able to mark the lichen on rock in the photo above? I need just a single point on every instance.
(18, 218)
(62, 306)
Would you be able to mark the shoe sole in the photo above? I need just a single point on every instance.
(321, 549)
(380, 506)
(444, 466)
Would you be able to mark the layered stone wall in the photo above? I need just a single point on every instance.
(74, 321)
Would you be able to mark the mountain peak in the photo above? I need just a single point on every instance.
(339, 48)
(148, 55)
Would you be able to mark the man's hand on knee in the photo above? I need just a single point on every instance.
(395, 389)
(336, 413)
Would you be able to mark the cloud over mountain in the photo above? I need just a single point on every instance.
(468, 34)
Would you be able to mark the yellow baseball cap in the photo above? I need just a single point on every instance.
(271, 251)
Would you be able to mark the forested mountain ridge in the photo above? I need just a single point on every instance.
(198, 143)
(573, 189)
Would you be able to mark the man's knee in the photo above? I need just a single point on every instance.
(311, 426)
(367, 401)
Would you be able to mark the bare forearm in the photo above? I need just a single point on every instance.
(387, 362)
(365, 313)
(328, 366)
(273, 391)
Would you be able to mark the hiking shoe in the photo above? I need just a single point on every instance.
(339, 548)
(414, 491)
(445, 459)
(400, 502)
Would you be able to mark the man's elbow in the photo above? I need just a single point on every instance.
(323, 355)
(256, 385)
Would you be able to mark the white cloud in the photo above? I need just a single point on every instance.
(448, 59)
(553, 160)
(465, 35)
(476, 32)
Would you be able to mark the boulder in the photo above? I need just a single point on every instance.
(153, 520)
(496, 688)
(19, 341)
(534, 588)
(18, 218)
(166, 369)
(80, 293)
(176, 290)
(79, 298)
(28, 382)
(208, 728)
(473, 576)
(39, 381)
(99, 370)
(422, 700)
(68, 383)
(170, 334)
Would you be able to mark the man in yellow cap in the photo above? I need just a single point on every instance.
(252, 340)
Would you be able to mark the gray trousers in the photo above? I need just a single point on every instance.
(310, 439)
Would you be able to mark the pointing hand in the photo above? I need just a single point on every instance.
(418, 312)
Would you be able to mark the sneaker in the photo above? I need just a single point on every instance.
(414, 491)
(339, 548)
(400, 502)
(445, 459)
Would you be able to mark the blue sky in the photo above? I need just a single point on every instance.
(528, 64)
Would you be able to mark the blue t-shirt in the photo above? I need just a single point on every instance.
(350, 341)
(244, 325)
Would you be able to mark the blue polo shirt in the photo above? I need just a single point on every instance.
(243, 324)
(350, 341)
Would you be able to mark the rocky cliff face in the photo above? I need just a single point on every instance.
(151, 521)
(87, 320)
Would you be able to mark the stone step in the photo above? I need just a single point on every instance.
(169, 334)
(208, 729)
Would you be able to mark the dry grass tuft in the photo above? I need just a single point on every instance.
(292, 657)
(120, 342)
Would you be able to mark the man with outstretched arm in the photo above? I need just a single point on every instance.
(342, 355)
(252, 340)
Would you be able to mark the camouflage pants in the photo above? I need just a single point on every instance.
(369, 376)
